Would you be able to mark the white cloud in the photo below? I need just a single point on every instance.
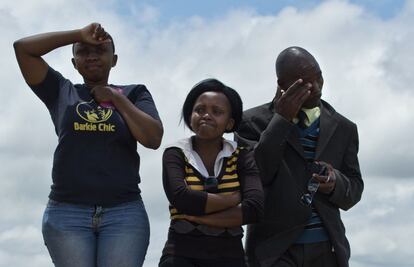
(381, 227)
(366, 63)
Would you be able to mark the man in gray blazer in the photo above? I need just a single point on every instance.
(307, 156)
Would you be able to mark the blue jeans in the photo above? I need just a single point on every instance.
(90, 236)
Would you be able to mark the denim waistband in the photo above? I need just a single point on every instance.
(52, 202)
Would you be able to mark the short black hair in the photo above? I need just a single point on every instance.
(291, 60)
(109, 36)
(213, 85)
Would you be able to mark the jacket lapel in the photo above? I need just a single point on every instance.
(327, 126)
(293, 140)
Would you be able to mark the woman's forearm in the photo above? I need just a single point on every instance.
(146, 130)
(41, 44)
(231, 217)
(217, 202)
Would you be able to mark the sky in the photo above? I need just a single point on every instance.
(364, 49)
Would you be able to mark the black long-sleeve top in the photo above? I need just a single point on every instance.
(193, 202)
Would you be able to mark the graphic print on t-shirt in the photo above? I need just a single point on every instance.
(94, 117)
(89, 113)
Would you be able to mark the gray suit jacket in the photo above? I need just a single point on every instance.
(279, 156)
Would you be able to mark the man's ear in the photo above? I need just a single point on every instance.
(278, 92)
(74, 63)
(114, 60)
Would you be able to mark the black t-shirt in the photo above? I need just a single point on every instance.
(95, 162)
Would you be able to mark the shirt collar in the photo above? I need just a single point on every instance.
(186, 145)
(312, 114)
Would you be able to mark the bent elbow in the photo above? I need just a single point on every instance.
(259, 215)
(20, 46)
(260, 212)
(153, 141)
(16, 44)
(152, 144)
(254, 213)
(351, 203)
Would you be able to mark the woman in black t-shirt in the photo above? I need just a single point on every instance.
(95, 215)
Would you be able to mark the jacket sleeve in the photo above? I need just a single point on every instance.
(184, 199)
(349, 184)
(271, 147)
(252, 192)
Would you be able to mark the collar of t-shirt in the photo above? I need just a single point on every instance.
(312, 114)
(186, 145)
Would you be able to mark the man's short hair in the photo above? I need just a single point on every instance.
(290, 57)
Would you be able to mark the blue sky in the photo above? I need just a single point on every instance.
(173, 10)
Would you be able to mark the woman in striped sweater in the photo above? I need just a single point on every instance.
(212, 184)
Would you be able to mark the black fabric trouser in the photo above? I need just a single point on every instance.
(318, 254)
(177, 261)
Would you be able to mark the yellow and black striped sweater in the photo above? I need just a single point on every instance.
(184, 187)
(227, 183)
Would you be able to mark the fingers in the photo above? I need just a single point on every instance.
(320, 178)
(301, 92)
(294, 88)
(326, 188)
(304, 94)
(324, 172)
(99, 33)
(323, 178)
(99, 93)
(327, 182)
(288, 102)
(297, 93)
(291, 90)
